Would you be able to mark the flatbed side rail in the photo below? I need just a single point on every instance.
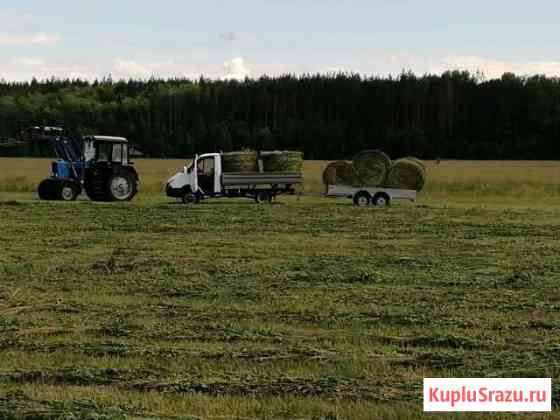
(254, 179)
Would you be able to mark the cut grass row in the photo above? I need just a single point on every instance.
(300, 309)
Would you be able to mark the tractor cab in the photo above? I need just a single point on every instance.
(106, 149)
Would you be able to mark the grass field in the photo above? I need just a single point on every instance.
(308, 308)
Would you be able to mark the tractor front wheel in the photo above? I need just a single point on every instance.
(69, 191)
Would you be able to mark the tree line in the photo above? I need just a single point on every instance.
(453, 115)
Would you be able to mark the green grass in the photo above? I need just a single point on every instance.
(309, 308)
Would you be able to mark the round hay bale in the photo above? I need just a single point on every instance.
(245, 161)
(282, 161)
(416, 160)
(406, 174)
(371, 167)
(339, 172)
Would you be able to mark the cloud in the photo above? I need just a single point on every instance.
(386, 63)
(229, 36)
(27, 68)
(493, 68)
(33, 39)
(127, 69)
(236, 69)
(28, 63)
(16, 20)
(338, 70)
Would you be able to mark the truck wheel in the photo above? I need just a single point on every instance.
(191, 198)
(382, 199)
(69, 191)
(122, 186)
(263, 197)
(362, 199)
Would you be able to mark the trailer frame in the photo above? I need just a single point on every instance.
(365, 196)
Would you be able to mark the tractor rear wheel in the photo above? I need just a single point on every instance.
(48, 190)
(122, 186)
(95, 186)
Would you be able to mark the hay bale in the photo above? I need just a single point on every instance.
(371, 167)
(406, 174)
(282, 161)
(417, 161)
(339, 172)
(245, 161)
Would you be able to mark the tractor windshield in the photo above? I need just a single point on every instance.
(104, 151)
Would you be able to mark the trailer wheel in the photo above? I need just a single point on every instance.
(263, 197)
(362, 199)
(382, 200)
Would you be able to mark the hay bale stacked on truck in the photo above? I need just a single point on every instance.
(282, 161)
(240, 162)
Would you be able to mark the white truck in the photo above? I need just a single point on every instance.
(203, 178)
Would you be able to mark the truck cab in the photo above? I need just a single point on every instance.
(201, 177)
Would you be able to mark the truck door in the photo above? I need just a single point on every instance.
(205, 170)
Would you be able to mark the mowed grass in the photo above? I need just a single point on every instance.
(308, 308)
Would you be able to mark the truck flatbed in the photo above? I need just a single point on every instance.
(242, 180)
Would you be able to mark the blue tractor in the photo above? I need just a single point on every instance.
(99, 165)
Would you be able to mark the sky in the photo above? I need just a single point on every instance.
(248, 38)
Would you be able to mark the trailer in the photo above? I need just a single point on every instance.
(203, 178)
(365, 196)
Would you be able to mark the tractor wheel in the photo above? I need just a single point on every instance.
(96, 188)
(69, 191)
(122, 186)
(48, 190)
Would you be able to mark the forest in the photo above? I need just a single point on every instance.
(453, 115)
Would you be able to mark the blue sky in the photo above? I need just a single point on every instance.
(221, 39)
